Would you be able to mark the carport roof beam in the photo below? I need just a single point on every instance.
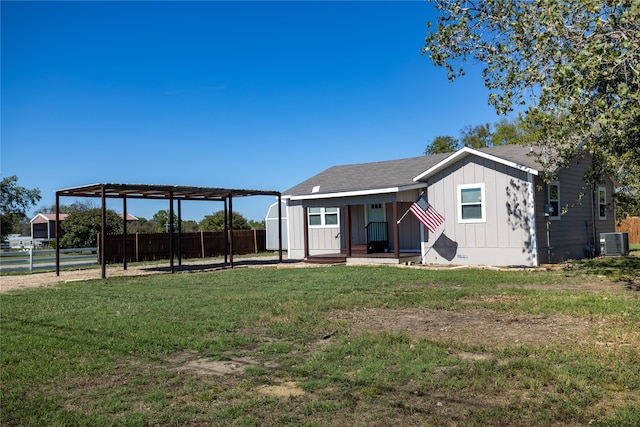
(144, 191)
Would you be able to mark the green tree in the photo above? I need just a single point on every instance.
(161, 219)
(442, 144)
(14, 202)
(508, 132)
(80, 206)
(215, 222)
(476, 136)
(190, 226)
(161, 223)
(142, 225)
(573, 67)
(80, 229)
(257, 225)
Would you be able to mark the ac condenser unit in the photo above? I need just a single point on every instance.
(614, 244)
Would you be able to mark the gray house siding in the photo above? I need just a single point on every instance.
(358, 224)
(322, 240)
(512, 232)
(295, 222)
(327, 240)
(575, 234)
(409, 228)
(505, 237)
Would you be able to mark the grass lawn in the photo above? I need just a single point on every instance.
(373, 346)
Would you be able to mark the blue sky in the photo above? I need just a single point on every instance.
(258, 95)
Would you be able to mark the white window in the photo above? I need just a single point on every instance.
(471, 203)
(602, 202)
(553, 200)
(323, 217)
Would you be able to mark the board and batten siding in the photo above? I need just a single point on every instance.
(505, 237)
(322, 240)
(576, 233)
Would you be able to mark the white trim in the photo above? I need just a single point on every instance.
(556, 215)
(466, 151)
(483, 203)
(323, 215)
(355, 193)
(602, 217)
(533, 231)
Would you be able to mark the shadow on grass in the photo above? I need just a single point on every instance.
(620, 268)
(219, 265)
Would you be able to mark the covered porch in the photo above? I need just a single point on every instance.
(387, 258)
(367, 232)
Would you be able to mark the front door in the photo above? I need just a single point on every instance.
(376, 228)
(375, 212)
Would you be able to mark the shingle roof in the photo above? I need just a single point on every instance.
(393, 173)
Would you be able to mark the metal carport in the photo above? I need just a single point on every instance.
(160, 192)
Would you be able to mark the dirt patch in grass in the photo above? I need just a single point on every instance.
(473, 326)
(43, 279)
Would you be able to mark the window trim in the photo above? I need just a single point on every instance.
(556, 215)
(601, 204)
(483, 203)
(323, 215)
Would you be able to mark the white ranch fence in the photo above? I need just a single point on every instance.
(32, 259)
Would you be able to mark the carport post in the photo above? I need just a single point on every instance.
(57, 233)
(171, 231)
(103, 225)
(124, 232)
(279, 227)
(225, 237)
(179, 233)
(231, 230)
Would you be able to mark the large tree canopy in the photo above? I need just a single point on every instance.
(14, 202)
(573, 67)
(81, 228)
(215, 222)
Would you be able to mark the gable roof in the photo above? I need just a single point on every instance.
(399, 175)
(515, 156)
(47, 217)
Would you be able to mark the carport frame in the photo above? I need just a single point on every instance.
(162, 192)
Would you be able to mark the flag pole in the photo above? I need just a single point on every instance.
(407, 211)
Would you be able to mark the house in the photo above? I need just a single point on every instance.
(43, 227)
(17, 241)
(497, 209)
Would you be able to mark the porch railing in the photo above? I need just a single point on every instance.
(377, 236)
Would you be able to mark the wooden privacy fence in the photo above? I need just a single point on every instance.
(630, 225)
(204, 244)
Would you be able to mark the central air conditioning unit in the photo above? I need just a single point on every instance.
(614, 244)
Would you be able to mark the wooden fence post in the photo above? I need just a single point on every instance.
(137, 247)
(202, 242)
(255, 241)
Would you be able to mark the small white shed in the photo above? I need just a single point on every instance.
(271, 224)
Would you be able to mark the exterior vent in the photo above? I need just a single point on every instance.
(614, 244)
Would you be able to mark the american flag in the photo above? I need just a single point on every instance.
(426, 214)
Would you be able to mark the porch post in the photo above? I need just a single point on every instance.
(396, 231)
(305, 232)
(347, 227)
